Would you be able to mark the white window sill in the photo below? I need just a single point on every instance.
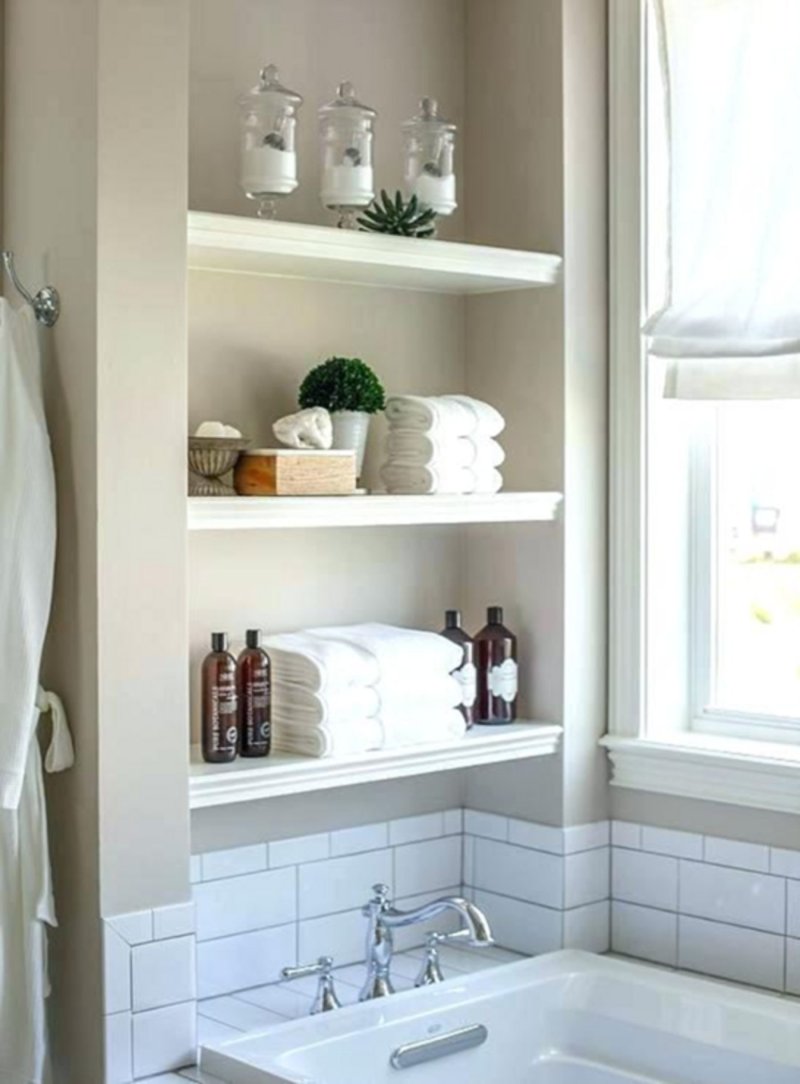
(760, 775)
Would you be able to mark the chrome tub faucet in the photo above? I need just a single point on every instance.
(383, 918)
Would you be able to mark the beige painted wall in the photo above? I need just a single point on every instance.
(393, 53)
(50, 131)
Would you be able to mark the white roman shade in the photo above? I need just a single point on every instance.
(730, 322)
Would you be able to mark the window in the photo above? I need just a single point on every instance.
(705, 567)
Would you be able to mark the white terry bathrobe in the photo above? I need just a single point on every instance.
(27, 555)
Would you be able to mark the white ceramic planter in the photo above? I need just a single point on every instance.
(350, 429)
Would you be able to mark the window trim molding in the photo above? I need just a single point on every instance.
(762, 774)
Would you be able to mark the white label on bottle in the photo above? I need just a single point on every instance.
(503, 681)
(467, 678)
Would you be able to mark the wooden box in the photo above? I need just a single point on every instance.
(290, 472)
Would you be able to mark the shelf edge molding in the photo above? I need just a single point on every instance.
(252, 246)
(282, 774)
(375, 510)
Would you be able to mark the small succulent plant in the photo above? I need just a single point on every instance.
(408, 219)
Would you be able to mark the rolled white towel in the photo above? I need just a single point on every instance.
(415, 724)
(324, 741)
(296, 703)
(400, 477)
(404, 478)
(416, 448)
(320, 665)
(444, 415)
(403, 656)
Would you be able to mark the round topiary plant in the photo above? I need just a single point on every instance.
(343, 384)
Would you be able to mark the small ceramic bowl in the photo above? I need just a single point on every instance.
(209, 459)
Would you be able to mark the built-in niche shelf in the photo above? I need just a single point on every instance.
(282, 773)
(378, 510)
(255, 247)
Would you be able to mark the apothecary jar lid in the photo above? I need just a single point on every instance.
(429, 118)
(346, 104)
(270, 84)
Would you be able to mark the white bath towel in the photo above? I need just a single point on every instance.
(402, 656)
(334, 707)
(325, 741)
(414, 723)
(444, 415)
(399, 477)
(321, 665)
(412, 446)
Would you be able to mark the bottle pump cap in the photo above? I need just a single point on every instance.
(253, 637)
(452, 619)
(495, 615)
(219, 641)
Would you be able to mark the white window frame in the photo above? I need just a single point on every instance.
(734, 758)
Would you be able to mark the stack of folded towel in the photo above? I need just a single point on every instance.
(350, 689)
(442, 444)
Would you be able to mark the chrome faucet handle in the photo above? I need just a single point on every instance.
(326, 998)
(431, 971)
(382, 894)
(464, 937)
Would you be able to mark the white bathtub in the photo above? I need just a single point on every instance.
(565, 1018)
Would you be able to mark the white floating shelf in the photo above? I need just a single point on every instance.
(380, 510)
(285, 249)
(281, 773)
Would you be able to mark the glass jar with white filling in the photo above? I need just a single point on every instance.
(268, 157)
(346, 134)
(429, 149)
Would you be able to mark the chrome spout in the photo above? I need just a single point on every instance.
(384, 918)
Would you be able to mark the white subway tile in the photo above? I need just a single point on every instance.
(174, 921)
(731, 852)
(195, 869)
(453, 822)
(192, 1072)
(341, 936)
(234, 862)
(626, 834)
(412, 936)
(539, 837)
(527, 875)
(116, 971)
(235, 963)
(212, 1031)
(668, 841)
(242, 1015)
(367, 837)
(587, 877)
(783, 862)
(164, 973)
(488, 825)
(279, 999)
(249, 902)
(644, 932)
(585, 837)
(731, 895)
(342, 884)
(588, 927)
(792, 966)
(522, 927)
(135, 927)
(294, 852)
(793, 905)
(422, 867)
(164, 1039)
(118, 1049)
(414, 829)
(648, 879)
(731, 952)
(468, 870)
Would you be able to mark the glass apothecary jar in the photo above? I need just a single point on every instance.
(268, 157)
(429, 148)
(346, 131)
